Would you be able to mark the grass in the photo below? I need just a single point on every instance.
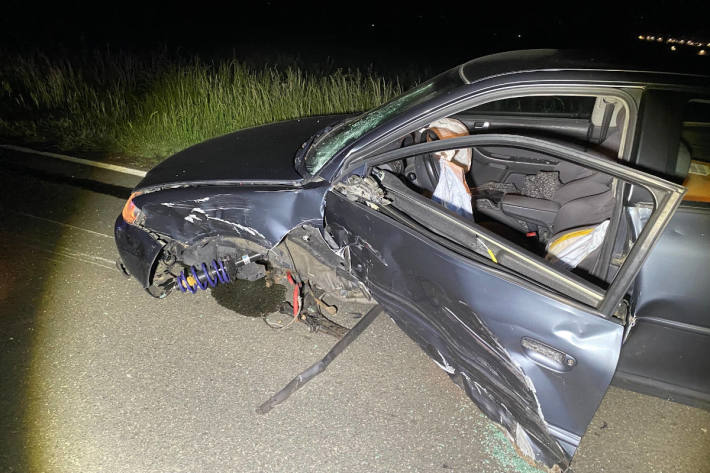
(140, 109)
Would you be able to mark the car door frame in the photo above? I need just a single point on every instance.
(652, 230)
(537, 434)
(491, 89)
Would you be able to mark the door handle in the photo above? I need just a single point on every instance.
(547, 356)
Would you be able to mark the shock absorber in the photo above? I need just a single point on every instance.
(206, 276)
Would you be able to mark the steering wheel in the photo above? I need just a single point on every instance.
(426, 166)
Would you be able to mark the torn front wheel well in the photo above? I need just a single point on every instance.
(314, 260)
(206, 263)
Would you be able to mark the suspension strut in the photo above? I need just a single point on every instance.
(208, 275)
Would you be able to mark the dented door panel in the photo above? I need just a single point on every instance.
(536, 360)
(472, 320)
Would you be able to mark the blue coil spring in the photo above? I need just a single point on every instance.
(210, 280)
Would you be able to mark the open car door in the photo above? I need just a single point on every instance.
(533, 346)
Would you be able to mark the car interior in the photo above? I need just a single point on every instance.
(533, 199)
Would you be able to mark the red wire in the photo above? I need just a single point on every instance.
(295, 294)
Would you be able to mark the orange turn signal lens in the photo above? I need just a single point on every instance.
(130, 211)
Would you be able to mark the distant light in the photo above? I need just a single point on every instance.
(675, 41)
(519, 35)
(372, 25)
(701, 52)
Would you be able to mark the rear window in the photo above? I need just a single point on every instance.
(695, 132)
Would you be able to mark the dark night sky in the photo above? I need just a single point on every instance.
(407, 29)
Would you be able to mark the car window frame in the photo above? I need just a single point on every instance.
(667, 196)
(629, 94)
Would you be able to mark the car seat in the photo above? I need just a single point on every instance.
(552, 202)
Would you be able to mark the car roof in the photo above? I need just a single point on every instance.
(653, 63)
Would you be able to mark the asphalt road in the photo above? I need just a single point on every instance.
(96, 376)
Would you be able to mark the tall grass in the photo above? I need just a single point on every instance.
(149, 107)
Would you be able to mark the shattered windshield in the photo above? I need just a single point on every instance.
(348, 132)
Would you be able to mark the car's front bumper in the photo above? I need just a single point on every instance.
(137, 249)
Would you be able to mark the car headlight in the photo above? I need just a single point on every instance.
(130, 212)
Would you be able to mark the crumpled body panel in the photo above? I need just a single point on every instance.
(471, 321)
(260, 214)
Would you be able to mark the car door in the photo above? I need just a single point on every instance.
(667, 353)
(534, 348)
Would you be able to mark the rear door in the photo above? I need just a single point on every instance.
(667, 353)
(535, 348)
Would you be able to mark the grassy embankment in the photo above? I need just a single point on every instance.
(138, 110)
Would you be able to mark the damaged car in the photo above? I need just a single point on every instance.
(536, 221)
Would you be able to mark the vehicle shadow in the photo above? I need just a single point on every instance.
(249, 298)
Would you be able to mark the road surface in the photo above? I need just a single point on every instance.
(97, 376)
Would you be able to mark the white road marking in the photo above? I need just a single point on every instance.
(72, 159)
(54, 252)
(83, 257)
(62, 224)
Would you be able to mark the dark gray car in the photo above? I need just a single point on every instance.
(581, 249)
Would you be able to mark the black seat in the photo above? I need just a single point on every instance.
(553, 202)
(581, 202)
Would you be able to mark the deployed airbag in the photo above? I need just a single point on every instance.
(452, 190)
(571, 247)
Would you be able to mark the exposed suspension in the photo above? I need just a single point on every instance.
(209, 276)
(219, 272)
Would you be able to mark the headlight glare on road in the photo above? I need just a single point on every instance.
(130, 211)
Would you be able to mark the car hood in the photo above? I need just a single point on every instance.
(263, 153)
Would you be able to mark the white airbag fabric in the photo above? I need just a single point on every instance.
(451, 190)
(573, 246)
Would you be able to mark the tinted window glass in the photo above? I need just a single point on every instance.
(560, 106)
(695, 132)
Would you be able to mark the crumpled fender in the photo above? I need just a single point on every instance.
(261, 214)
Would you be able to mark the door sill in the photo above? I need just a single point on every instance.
(663, 390)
